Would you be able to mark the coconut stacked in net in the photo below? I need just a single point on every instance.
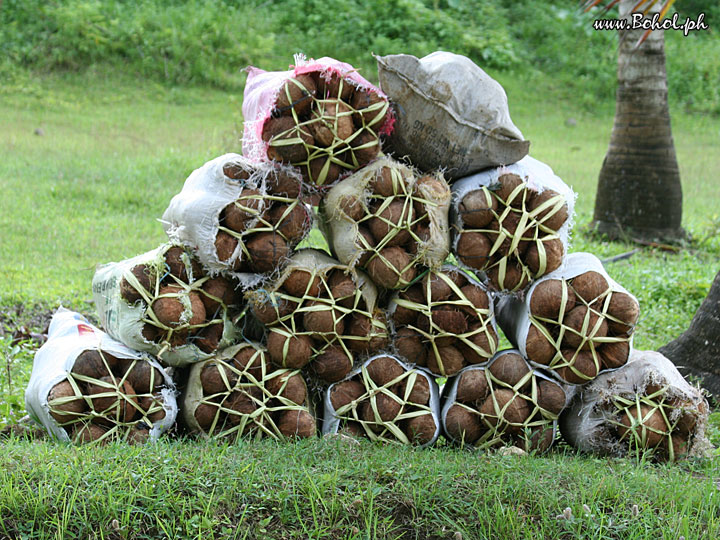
(240, 217)
(386, 400)
(319, 314)
(389, 221)
(643, 408)
(163, 302)
(239, 393)
(321, 117)
(444, 322)
(577, 321)
(512, 223)
(504, 402)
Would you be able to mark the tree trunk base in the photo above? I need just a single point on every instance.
(615, 231)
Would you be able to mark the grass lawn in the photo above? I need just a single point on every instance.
(88, 164)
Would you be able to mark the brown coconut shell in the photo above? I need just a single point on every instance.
(614, 354)
(507, 231)
(550, 396)
(211, 378)
(365, 147)
(550, 218)
(451, 359)
(235, 171)
(297, 93)
(514, 278)
(290, 386)
(175, 260)
(345, 392)
(152, 407)
(352, 207)
(252, 362)
(274, 309)
(94, 364)
(403, 315)
(625, 308)
(472, 387)
(119, 405)
(388, 408)
(361, 327)
(448, 320)
(575, 319)
(538, 347)
(330, 122)
(205, 414)
(504, 405)
(87, 433)
(374, 118)
(146, 278)
(332, 365)
(277, 130)
(392, 268)
(478, 208)
(291, 221)
(590, 285)
(583, 363)
(508, 183)
(439, 288)
(479, 299)
(238, 215)
(322, 318)
(216, 292)
(419, 393)
(366, 244)
(291, 352)
(484, 339)
(554, 251)
(284, 184)
(393, 223)
(409, 344)
(645, 428)
(301, 283)
(540, 439)
(143, 377)
(62, 407)
(297, 424)
(267, 250)
(383, 370)
(461, 425)
(473, 249)
(387, 184)
(241, 403)
(546, 299)
(421, 429)
(342, 289)
(225, 245)
(331, 85)
(511, 368)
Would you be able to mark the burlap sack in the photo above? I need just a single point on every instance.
(450, 114)
(388, 405)
(68, 395)
(650, 388)
(126, 302)
(603, 341)
(351, 208)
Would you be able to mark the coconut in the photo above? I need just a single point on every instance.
(237, 215)
(439, 288)
(375, 117)
(119, 405)
(322, 318)
(614, 354)
(447, 361)
(590, 285)
(504, 405)
(409, 345)
(550, 396)
(322, 170)
(94, 364)
(388, 408)
(88, 433)
(478, 208)
(554, 251)
(575, 319)
(152, 407)
(352, 207)
(176, 264)
(143, 377)
(392, 268)
(419, 393)
(331, 85)
(420, 429)
(64, 405)
(301, 283)
(205, 415)
(170, 310)
(386, 184)
(462, 425)
(472, 387)
(251, 361)
(687, 420)
(332, 365)
(513, 279)
(625, 308)
(383, 370)
(392, 222)
(549, 217)
(449, 320)
(583, 363)
(217, 292)
(539, 440)
(507, 230)
(646, 429)
(403, 315)
(538, 347)
(296, 424)
(235, 171)
(289, 220)
(345, 392)
(273, 309)
(294, 388)
(365, 147)
(138, 434)
(283, 184)
(289, 351)
(296, 94)
(225, 245)
(241, 403)
(276, 131)
(145, 277)
(547, 296)
(150, 333)
(330, 121)
(266, 251)
(370, 337)
(484, 338)
(216, 378)
(511, 368)
(473, 249)
(208, 338)
(508, 184)
(342, 289)
(479, 299)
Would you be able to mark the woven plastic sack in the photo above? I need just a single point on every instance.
(419, 236)
(398, 404)
(526, 233)
(600, 341)
(451, 115)
(239, 218)
(645, 406)
(238, 393)
(486, 406)
(127, 294)
(72, 363)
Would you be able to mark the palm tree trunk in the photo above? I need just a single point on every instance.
(639, 193)
(697, 350)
